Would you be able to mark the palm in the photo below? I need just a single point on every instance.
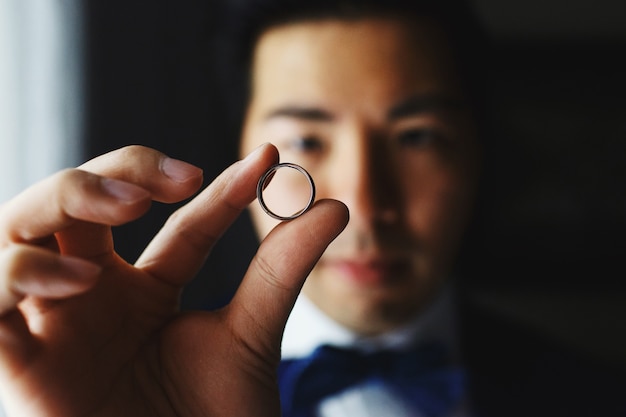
(91, 342)
(121, 347)
(131, 360)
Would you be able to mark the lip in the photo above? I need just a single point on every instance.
(370, 272)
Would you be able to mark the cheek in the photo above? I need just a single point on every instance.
(437, 206)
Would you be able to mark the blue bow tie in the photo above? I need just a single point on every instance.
(421, 376)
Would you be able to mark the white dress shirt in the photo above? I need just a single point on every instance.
(308, 328)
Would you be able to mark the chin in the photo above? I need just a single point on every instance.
(372, 322)
(369, 314)
(368, 309)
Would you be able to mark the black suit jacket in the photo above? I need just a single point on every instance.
(515, 371)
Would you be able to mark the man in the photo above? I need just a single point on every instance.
(375, 108)
(371, 107)
(370, 101)
(381, 103)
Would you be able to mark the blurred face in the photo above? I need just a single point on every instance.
(372, 110)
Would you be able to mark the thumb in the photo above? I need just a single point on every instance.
(263, 302)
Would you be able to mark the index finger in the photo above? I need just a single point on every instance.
(178, 251)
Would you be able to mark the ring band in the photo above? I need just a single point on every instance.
(264, 180)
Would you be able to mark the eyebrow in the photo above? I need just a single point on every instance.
(424, 103)
(410, 107)
(301, 112)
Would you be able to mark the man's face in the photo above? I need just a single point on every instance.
(373, 111)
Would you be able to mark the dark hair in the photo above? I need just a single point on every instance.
(243, 21)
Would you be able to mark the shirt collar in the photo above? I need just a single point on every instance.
(308, 327)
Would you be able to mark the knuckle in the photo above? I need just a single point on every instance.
(137, 164)
(134, 151)
(197, 238)
(72, 179)
(118, 161)
(258, 351)
(13, 264)
(70, 187)
(258, 359)
(266, 271)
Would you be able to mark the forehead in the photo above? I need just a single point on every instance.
(364, 59)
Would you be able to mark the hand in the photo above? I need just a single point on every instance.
(83, 333)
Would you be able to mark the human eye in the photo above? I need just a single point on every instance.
(420, 137)
(306, 144)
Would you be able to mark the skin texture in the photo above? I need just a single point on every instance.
(372, 110)
(83, 333)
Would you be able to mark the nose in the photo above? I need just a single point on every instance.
(368, 180)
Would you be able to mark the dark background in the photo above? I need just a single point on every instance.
(551, 252)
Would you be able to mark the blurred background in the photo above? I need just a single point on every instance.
(79, 78)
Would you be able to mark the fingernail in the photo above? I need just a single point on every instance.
(79, 267)
(179, 171)
(124, 191)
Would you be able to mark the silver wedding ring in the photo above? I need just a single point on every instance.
(264, 181)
